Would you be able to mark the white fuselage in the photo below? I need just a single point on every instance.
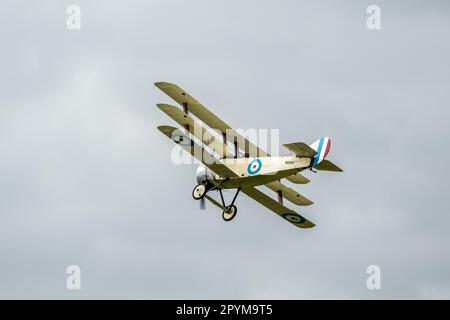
(254, 171)
(247, 167)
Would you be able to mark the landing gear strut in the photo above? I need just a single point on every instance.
(230, 211)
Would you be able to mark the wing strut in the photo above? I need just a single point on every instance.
(280, 196)
(186, 110)
(235, 196)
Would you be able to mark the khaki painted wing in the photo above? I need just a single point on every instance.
(289, 194)
(198, 152)
(196, 129)
(182, 97)
(278, 208)
(251, 181)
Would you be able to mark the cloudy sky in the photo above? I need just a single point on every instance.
(86, 179)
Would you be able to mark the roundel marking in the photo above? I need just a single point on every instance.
(294, 218)
(254, 166)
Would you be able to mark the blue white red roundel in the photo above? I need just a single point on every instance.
(254, 166)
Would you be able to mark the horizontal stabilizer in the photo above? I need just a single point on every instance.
(327, 165)
(298, 179)
(301, 149)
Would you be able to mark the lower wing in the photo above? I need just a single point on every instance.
(273, 205)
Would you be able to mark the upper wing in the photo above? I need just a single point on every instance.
(184, 98)
(278, 208)
(213, 121)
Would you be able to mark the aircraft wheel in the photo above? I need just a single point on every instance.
(229, 213)
(199, 192)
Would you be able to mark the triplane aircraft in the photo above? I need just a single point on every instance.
(229, 168)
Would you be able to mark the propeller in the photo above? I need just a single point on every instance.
(202, 204)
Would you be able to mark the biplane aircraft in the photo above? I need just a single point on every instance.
(243, 166)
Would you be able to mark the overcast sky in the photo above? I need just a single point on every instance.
(86, 179)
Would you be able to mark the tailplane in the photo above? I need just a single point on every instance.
(317, 151)
(327, 165)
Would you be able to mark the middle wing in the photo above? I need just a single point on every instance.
(229, 177)
(196, 129)
(278, 208)
(199, 153)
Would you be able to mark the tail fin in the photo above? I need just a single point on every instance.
(322, 147)
(317, 152)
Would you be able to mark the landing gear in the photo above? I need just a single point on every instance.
(229, 213)
(199, 192)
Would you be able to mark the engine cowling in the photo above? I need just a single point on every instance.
(203, 174)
